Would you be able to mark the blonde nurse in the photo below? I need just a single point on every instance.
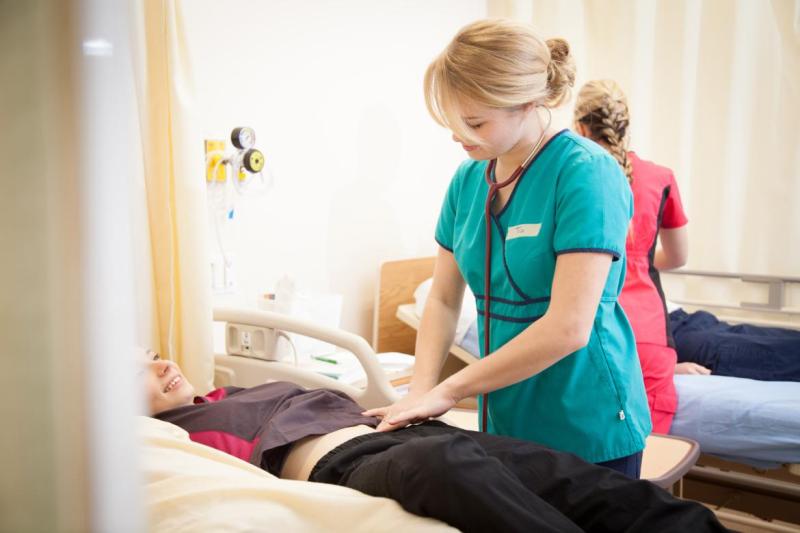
(535, 222)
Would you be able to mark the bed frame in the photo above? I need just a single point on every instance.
(250, 371)
(745, 498)
(771, 495)
(397, 281)
(730, 296)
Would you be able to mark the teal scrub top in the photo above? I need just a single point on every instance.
(572, 198)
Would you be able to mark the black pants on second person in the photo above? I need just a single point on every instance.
(481, 482)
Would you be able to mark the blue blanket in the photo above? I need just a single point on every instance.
(749, 421)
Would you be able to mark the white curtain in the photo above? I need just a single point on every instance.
(173, 267)
(714, 92)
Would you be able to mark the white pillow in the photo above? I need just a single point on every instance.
(672, 306)
(469, 313)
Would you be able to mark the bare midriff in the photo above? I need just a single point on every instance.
(307, 452)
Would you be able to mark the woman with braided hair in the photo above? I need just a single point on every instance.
(601, 114)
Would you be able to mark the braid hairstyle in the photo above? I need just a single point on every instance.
(603, 109)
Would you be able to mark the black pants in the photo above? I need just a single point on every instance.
(480, 482)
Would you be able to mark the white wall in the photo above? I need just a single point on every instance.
(334, 92)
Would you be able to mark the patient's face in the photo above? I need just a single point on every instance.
(166, 386)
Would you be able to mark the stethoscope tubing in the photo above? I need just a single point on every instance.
(487, 266)
(494, 188)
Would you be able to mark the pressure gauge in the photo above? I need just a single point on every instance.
(243, 138)
(253, 160)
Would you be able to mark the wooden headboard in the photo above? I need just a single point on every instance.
(396, 284)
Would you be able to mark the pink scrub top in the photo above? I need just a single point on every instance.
(656, 205)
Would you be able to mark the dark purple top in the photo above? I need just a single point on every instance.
(259, 424)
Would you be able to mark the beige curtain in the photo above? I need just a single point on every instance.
(178, 321)
(45, 468)
(714, 91)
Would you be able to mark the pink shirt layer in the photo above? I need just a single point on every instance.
(656, 205)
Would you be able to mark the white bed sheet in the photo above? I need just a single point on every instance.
(191, 487)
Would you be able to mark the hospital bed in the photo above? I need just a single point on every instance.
(749, 431)
(191, 487)
(756, 423)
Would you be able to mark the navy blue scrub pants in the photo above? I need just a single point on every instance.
(630, 465)
(481, 482)
(740, 350)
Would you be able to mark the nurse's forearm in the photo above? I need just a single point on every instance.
(540, 346)
(434, 338)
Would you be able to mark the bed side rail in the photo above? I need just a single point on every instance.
(779, 296)
(378, 391)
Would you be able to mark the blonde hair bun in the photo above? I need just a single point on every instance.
(497, 63)
(560, 72)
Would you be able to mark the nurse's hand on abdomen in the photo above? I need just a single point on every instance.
(413, 409)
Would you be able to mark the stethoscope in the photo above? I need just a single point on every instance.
(494, 188)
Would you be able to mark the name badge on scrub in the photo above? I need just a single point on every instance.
(523, 230)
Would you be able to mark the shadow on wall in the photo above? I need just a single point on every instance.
(366, 218)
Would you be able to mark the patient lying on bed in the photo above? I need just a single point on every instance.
(473, 481)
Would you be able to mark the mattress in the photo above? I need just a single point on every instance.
(748, 421)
